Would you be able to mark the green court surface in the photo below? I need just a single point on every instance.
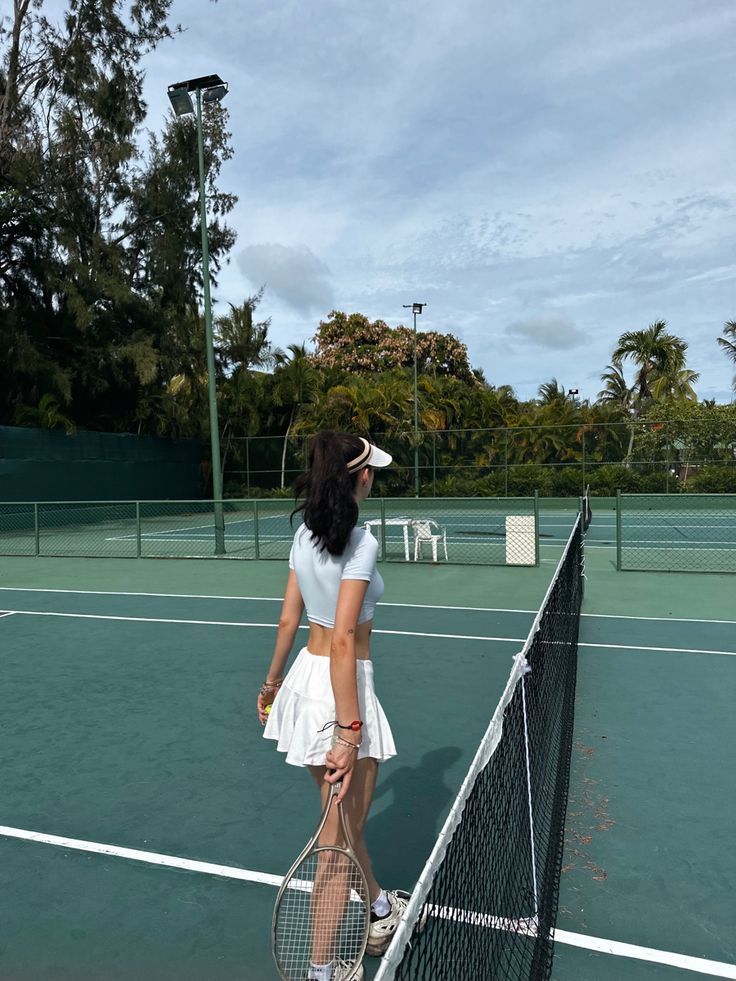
(146, 823)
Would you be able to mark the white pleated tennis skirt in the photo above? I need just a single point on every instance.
(305, 704)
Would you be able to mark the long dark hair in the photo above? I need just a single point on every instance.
(329, 508)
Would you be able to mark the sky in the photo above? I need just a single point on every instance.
(543, 176)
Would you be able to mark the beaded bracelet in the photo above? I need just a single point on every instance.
(267, 687)
(344, 742)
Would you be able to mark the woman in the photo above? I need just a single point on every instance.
(332, 571)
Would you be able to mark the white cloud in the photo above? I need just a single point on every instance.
(558, 333)
(292, 274)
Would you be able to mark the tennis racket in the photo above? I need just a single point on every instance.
(322, 912)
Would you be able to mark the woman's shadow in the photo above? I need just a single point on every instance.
(402, 835)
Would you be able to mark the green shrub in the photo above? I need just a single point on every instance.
(491, 485)
(709, 480)
(566, 482)
(606, 480)
(656, 483)
(525, 478)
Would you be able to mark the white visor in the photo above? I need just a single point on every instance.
(370, 456)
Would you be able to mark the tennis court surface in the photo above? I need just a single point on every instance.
(146, 824)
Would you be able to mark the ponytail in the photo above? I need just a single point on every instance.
(329, 508)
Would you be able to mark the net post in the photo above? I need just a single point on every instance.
(585, 503)
(383, 529)
(256, 536)
(536, 527)
(137, 529)
(36, 529)
(618, 529)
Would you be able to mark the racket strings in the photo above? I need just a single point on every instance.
(323, 914)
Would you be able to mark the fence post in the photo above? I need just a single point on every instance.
(434, 464)
(36, 528)
(383, 529)
(536, 527)
(667, 457)
(506, 461)
(256, 539)
(137, 529)
(584, 483)
(247, 466)
(618, 529)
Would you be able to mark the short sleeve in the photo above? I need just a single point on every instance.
(362, 562)
(294, 547)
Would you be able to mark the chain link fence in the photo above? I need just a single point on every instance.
(676, 533)
(555, 460)
(475, 531)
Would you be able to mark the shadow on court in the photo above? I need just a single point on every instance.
(419, 798)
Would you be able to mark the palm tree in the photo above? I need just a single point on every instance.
(675, 383)
(240, 341)
(46, 415)
(616, 390)
(657, 354)
(653, 351)
(551, 392)
(296, 382)
(729, 346)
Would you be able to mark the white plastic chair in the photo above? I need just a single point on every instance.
(426, 532)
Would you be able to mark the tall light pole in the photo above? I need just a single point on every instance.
(416, 308)
(209, 88)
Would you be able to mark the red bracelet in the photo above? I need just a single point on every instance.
(356, 726)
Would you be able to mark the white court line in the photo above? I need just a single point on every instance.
(410, 606)
(10, 614)
(699, 965)
(667, 650)
(153, 858)
(684, 961)
(237, 623)
(255, 599)
(395, 633)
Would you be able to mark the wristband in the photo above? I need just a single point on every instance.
(356, 726)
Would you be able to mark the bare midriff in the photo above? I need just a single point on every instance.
(320, 640)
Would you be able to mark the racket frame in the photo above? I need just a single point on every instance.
(313, 848)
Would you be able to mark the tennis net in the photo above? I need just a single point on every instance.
(485, 904)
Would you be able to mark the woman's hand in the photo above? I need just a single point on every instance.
(266, 697)
(340, 761)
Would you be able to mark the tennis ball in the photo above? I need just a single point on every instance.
(268, 709)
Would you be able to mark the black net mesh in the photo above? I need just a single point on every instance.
(486, 903)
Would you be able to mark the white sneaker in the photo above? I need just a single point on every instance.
(341, 970)
(382, 930)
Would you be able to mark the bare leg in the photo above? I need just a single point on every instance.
(356, 804)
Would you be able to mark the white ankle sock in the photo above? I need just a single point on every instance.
(321, 972)
(381, 906)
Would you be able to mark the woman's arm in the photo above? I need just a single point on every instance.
(341, 758)
(291, 615)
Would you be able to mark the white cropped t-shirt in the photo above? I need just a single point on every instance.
(319, 574)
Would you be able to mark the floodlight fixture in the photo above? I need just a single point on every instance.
(181, 101)
(211, 87)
